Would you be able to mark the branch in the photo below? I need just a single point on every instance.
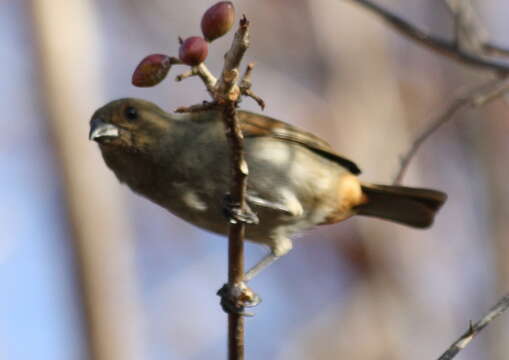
(204, 74)
(227, 82)
(494, 50)
(436, 44)
(475, 329)
(469, 32)
(477, 97)
(468, 27)
(226, 95)
(236, 229)
(245, 86)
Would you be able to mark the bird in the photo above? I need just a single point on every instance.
(296, 181)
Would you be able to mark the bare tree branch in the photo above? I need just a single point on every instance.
(236, 233)
(494, 50)
(245, 86)
(436, 44)
(204, 74)
(469, 32)
(476, 97)
(226, 94)
(104, 254)
(475, 329)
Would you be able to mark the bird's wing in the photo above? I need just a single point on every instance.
(254, 125)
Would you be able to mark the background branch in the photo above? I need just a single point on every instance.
(436, 44)
(475, 329)
(100, 230)
(478, 96)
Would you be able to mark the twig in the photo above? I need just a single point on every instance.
(478, 96)
(462, 11)
(204, 74)
(233, 58)
(475, 329)
(469, 32)
(441, 46)
(495, 50)
(245, 86)
(185, 75)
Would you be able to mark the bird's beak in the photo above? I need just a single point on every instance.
(102, 130)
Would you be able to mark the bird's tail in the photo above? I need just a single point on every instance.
(410, 206)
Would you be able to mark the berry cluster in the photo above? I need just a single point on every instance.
(216, 22)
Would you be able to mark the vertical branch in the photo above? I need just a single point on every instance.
(226, 93)
(238, 187)
(100, 227)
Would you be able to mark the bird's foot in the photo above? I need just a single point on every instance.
(236, 297)
(237, 214)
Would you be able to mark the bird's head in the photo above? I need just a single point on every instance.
(128, 124)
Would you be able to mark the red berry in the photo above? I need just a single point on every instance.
(193, 51)
(218, 20)
(151, 70)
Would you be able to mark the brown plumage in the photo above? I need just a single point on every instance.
(296, 180)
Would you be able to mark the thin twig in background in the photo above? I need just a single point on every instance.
(478, 96)
(494, 50)
(475, 329)
(436, 44)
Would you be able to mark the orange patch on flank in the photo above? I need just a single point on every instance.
(349, 195)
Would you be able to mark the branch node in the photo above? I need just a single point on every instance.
(237, 214)
(243, 168)
(236, 297)
(245, 86)
(244, 22)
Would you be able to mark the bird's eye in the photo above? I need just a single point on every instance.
(131, 113)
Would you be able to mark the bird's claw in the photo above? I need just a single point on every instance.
(236, 297)
(235, 213)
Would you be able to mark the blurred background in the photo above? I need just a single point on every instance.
(88, 270)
